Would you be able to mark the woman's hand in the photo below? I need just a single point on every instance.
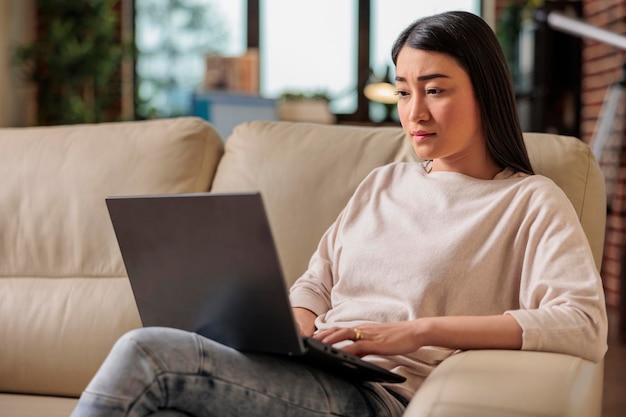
(454, 332)
(380, 338)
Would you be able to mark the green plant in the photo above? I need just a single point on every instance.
(75, 61)
(299, 95)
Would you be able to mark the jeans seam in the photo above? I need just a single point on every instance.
(146, 389)
(201, 354)
(150, 354)
(155, 359)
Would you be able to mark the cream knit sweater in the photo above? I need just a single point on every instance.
(413, 244)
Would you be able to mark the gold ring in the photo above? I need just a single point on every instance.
(358, 335)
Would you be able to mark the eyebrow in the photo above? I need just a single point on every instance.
(424, 77)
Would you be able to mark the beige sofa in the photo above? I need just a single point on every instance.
(64, 297)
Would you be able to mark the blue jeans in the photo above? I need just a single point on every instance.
(154, 369)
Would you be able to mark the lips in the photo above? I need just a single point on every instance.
(421, 135)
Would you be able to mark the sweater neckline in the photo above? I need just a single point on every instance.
(502, 175)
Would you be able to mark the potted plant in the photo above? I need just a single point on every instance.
(75, 61)
(305, 107)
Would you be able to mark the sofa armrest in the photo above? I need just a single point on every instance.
(489, 383)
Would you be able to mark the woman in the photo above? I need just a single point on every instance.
(469, 250)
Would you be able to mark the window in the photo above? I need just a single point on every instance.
(308, 48)
(389, 17)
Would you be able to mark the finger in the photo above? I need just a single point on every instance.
(324, 333)
(338, 335)
(360, 348)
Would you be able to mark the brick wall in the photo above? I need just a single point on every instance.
(602, 66)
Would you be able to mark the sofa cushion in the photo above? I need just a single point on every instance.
(16, 405)
(64, 295)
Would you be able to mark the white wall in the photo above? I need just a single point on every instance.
(17, 99)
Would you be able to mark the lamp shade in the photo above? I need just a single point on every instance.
(381, 92)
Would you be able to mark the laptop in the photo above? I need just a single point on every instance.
(207, 263)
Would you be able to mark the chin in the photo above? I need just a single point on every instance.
(422, 153)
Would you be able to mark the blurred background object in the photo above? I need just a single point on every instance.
(76, 65)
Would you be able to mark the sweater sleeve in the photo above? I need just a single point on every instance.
(562, 306)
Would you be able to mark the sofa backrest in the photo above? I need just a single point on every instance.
(64, 295)
(570, 163)
(306, 174)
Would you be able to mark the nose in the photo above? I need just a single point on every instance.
(418, 110)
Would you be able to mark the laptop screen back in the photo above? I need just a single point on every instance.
(206, 263)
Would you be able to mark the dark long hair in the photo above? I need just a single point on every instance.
(467, 38)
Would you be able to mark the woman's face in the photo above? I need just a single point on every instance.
(438, 110)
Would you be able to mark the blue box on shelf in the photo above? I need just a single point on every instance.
(225, 110)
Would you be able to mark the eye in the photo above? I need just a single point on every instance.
(434, 91)
(401, 93)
